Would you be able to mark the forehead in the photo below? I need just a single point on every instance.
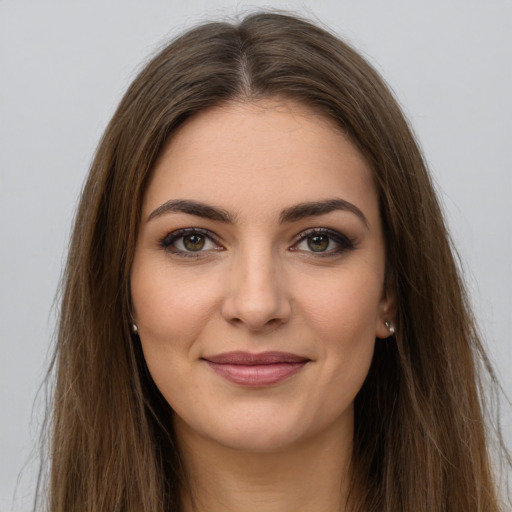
(272, 153)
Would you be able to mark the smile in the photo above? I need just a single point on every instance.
(256, 370)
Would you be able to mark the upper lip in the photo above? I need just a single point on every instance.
(251, 359)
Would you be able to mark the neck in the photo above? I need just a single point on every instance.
(310, 476)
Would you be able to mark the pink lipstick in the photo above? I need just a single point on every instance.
(256, 370)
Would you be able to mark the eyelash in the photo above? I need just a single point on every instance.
(343, 242)
(167, 242)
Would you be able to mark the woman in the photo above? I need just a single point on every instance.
(261, 308)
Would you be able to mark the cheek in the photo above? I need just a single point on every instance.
(345, 307)
(171, 311)
(343, 314)
(168, 306)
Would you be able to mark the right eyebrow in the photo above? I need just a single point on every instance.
(317, 208)
(193, 208)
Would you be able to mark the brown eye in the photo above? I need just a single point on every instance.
(193, 242)
(318, 243)
(323, 242)
(189, 241)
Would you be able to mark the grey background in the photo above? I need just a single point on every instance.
(63, 68)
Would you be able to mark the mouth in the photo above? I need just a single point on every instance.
(256, 370)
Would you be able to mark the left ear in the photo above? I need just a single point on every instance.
(387, 315)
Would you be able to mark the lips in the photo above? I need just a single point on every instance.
(256, 370)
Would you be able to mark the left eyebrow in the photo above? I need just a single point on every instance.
(316, 208)
(197, 208)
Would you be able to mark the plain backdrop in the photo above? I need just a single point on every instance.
(63, 68)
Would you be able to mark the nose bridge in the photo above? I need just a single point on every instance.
(257, 295)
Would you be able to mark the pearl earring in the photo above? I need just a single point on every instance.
(389, 327)
(135, 329)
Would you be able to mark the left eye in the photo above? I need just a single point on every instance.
(188, 241)
(323, 241)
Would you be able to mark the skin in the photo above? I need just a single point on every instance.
(256, 287)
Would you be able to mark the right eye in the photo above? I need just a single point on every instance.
(189, 242)
(323, 242)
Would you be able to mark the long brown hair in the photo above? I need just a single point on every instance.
(420, 437)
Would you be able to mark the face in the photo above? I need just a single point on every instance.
(258, 277)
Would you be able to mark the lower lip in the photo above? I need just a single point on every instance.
(256, 375)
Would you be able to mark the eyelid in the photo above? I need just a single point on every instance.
(166, 242)
(344, 242)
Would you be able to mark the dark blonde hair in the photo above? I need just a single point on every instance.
(420, 438)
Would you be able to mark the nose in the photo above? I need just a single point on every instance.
(256, 295)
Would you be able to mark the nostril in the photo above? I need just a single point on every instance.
(255, 326)
(258, 305)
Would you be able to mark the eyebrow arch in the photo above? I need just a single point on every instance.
(314, 208)
(193, 208)
(291, 214)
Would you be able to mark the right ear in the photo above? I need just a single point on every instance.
(387, 314)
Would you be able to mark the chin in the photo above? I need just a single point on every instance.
(260, 440)
(258, 430)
